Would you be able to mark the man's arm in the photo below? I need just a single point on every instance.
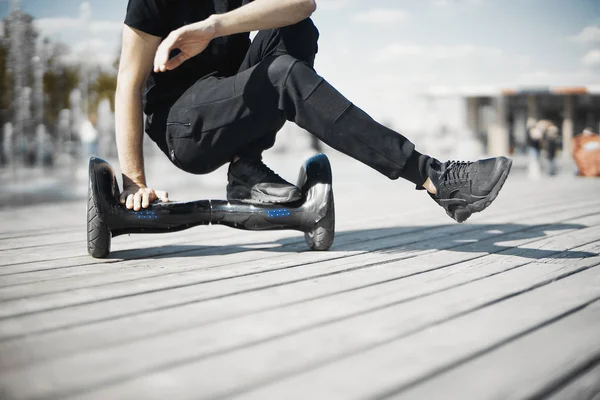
(135, 65)
(260, 14)
(263, 14)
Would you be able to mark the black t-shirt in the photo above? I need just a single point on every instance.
(222, 57)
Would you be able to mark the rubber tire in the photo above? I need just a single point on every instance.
(321, 238)
(98, 234)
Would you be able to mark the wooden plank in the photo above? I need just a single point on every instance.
(137, 248)
(154, 239)
(38, 238)
(141, 325)
(226, 256)
(406, 360)
(27, 220)
(584, 386)
(49, 216)
(77, 249)
(553, 352)
(189, 291)
(290, 319)
(192, 366)
(97, 311)
(101, 268)
(288, 293)
(124, 273)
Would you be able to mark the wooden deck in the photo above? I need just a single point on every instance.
(407, 304)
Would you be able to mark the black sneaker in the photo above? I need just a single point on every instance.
(251, 181)
(464, 188)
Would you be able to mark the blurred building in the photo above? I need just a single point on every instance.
(498, 117)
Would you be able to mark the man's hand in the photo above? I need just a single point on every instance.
(191, 40)
(136, 197)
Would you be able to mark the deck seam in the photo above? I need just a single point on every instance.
(400, 388)
(166, 254)
(129, 314)
(366, 265)
(248, 388)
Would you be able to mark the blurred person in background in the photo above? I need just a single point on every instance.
(542, 138)
(44, 147)
(3, 158)
(551, 145)
(212, 97)
(89, 137)
(7, 143)
(534, 136)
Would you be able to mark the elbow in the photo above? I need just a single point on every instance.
(308, 7)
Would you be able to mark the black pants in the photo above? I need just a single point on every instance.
(222, 117)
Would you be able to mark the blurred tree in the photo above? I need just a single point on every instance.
(104, 87)
(59, 80)
(58, 84)
(61, 76)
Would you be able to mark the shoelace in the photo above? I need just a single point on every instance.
(455, 171)
(268, 172)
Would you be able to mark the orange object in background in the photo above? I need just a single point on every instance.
(586, 152)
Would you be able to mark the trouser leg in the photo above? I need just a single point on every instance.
(219, 118)
(300, 41)
(304, 97)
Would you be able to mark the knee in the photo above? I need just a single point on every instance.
(301, 40)
(305, 29)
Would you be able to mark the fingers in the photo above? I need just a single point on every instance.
(147, 198)
(159, 60)
(142, 198)
(161, 56)
(164, 50)
(137, 201)
(175, 62)
(129, 202)
(122, 198)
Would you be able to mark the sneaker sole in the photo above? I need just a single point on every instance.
(463, 214)
(251, 197)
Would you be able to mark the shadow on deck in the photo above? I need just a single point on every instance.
(476, 239)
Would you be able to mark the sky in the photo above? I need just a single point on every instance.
(386, 56)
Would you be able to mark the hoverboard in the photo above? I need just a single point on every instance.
(314, 214)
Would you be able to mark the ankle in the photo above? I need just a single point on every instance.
(416, 168)
(429, 186)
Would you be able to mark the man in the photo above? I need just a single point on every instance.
(212, 97)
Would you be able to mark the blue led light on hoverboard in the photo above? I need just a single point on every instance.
(145, 214)
(278, 212)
